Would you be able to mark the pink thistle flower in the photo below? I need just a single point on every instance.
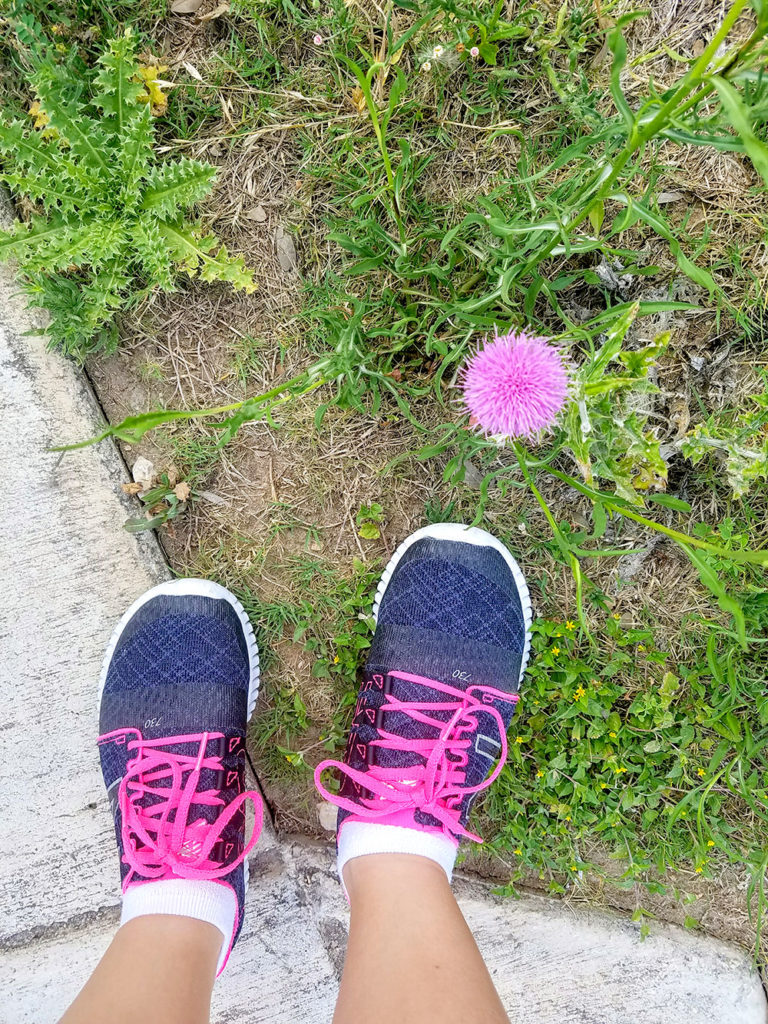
(318, 40)
(515, 385)
(474, 52)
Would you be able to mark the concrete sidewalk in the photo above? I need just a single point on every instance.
(69, 572)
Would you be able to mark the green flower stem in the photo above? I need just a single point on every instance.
(133, 428)
(753, 557)
(562, 543)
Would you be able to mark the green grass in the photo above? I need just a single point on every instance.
(432, 205)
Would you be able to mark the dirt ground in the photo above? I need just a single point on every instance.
(275, 493)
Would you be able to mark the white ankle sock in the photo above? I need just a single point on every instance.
(359, 838)
(198, 898)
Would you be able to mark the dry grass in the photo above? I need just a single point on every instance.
(278, 493)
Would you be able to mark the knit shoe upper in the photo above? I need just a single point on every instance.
(440, 686)
(179, 681)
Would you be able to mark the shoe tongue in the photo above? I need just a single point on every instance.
(455, 660)
(402, 724)
(173, 709)
(209, 778)
(484, 741)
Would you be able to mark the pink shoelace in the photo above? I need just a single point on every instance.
(172, 844)
(436, 786)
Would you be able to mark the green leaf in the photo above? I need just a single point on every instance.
(117, 93)
(85, 135)
(369, 531)
(668, 501)
(657, 222)
(710, 580)
(175, 186)
(489, 52)
(396, 90)
(618, 47)
(739, 118)
(609, 350)
(597, 215)
(135, 156)
(25, 237)
(599, 521)
(194, 255)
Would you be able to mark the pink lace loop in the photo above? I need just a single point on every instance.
(436, 786)
(171, 844)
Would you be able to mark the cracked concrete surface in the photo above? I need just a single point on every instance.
(69, 572)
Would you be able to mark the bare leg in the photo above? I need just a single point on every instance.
(406, 922)
(159, 968)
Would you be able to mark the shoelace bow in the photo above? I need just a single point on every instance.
(170, 840)
(436, 786)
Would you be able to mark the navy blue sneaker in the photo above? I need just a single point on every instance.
(429, 733)
(178, 684)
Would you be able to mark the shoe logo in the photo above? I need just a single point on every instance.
(112, 797)
(487, 747)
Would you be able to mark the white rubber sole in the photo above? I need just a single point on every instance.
(198, 588)
(466, 535)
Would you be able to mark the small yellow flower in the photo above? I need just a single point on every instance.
(701, 772)
(558, 635)
(641, 647)
(683, 814)
(711, 842)
(616, 616)
(603, 785)
(539, 774)
(536, 703)
(569, 624)
(619, 769)
(574, 868)
(555, 651)
(612, 735)
(567, 817)
(699, 870)
(519, 852)
(579, 693)
(519, 739)
(336, 660)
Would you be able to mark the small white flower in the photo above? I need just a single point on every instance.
(426, 66)
(438, 52)
(474, 52)
(318, 40)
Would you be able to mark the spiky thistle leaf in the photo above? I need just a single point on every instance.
(174, 187)
(67, 115)
(194, 254)
(117, 91)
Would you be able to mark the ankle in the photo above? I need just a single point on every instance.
(174, 935)
(395, 872)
